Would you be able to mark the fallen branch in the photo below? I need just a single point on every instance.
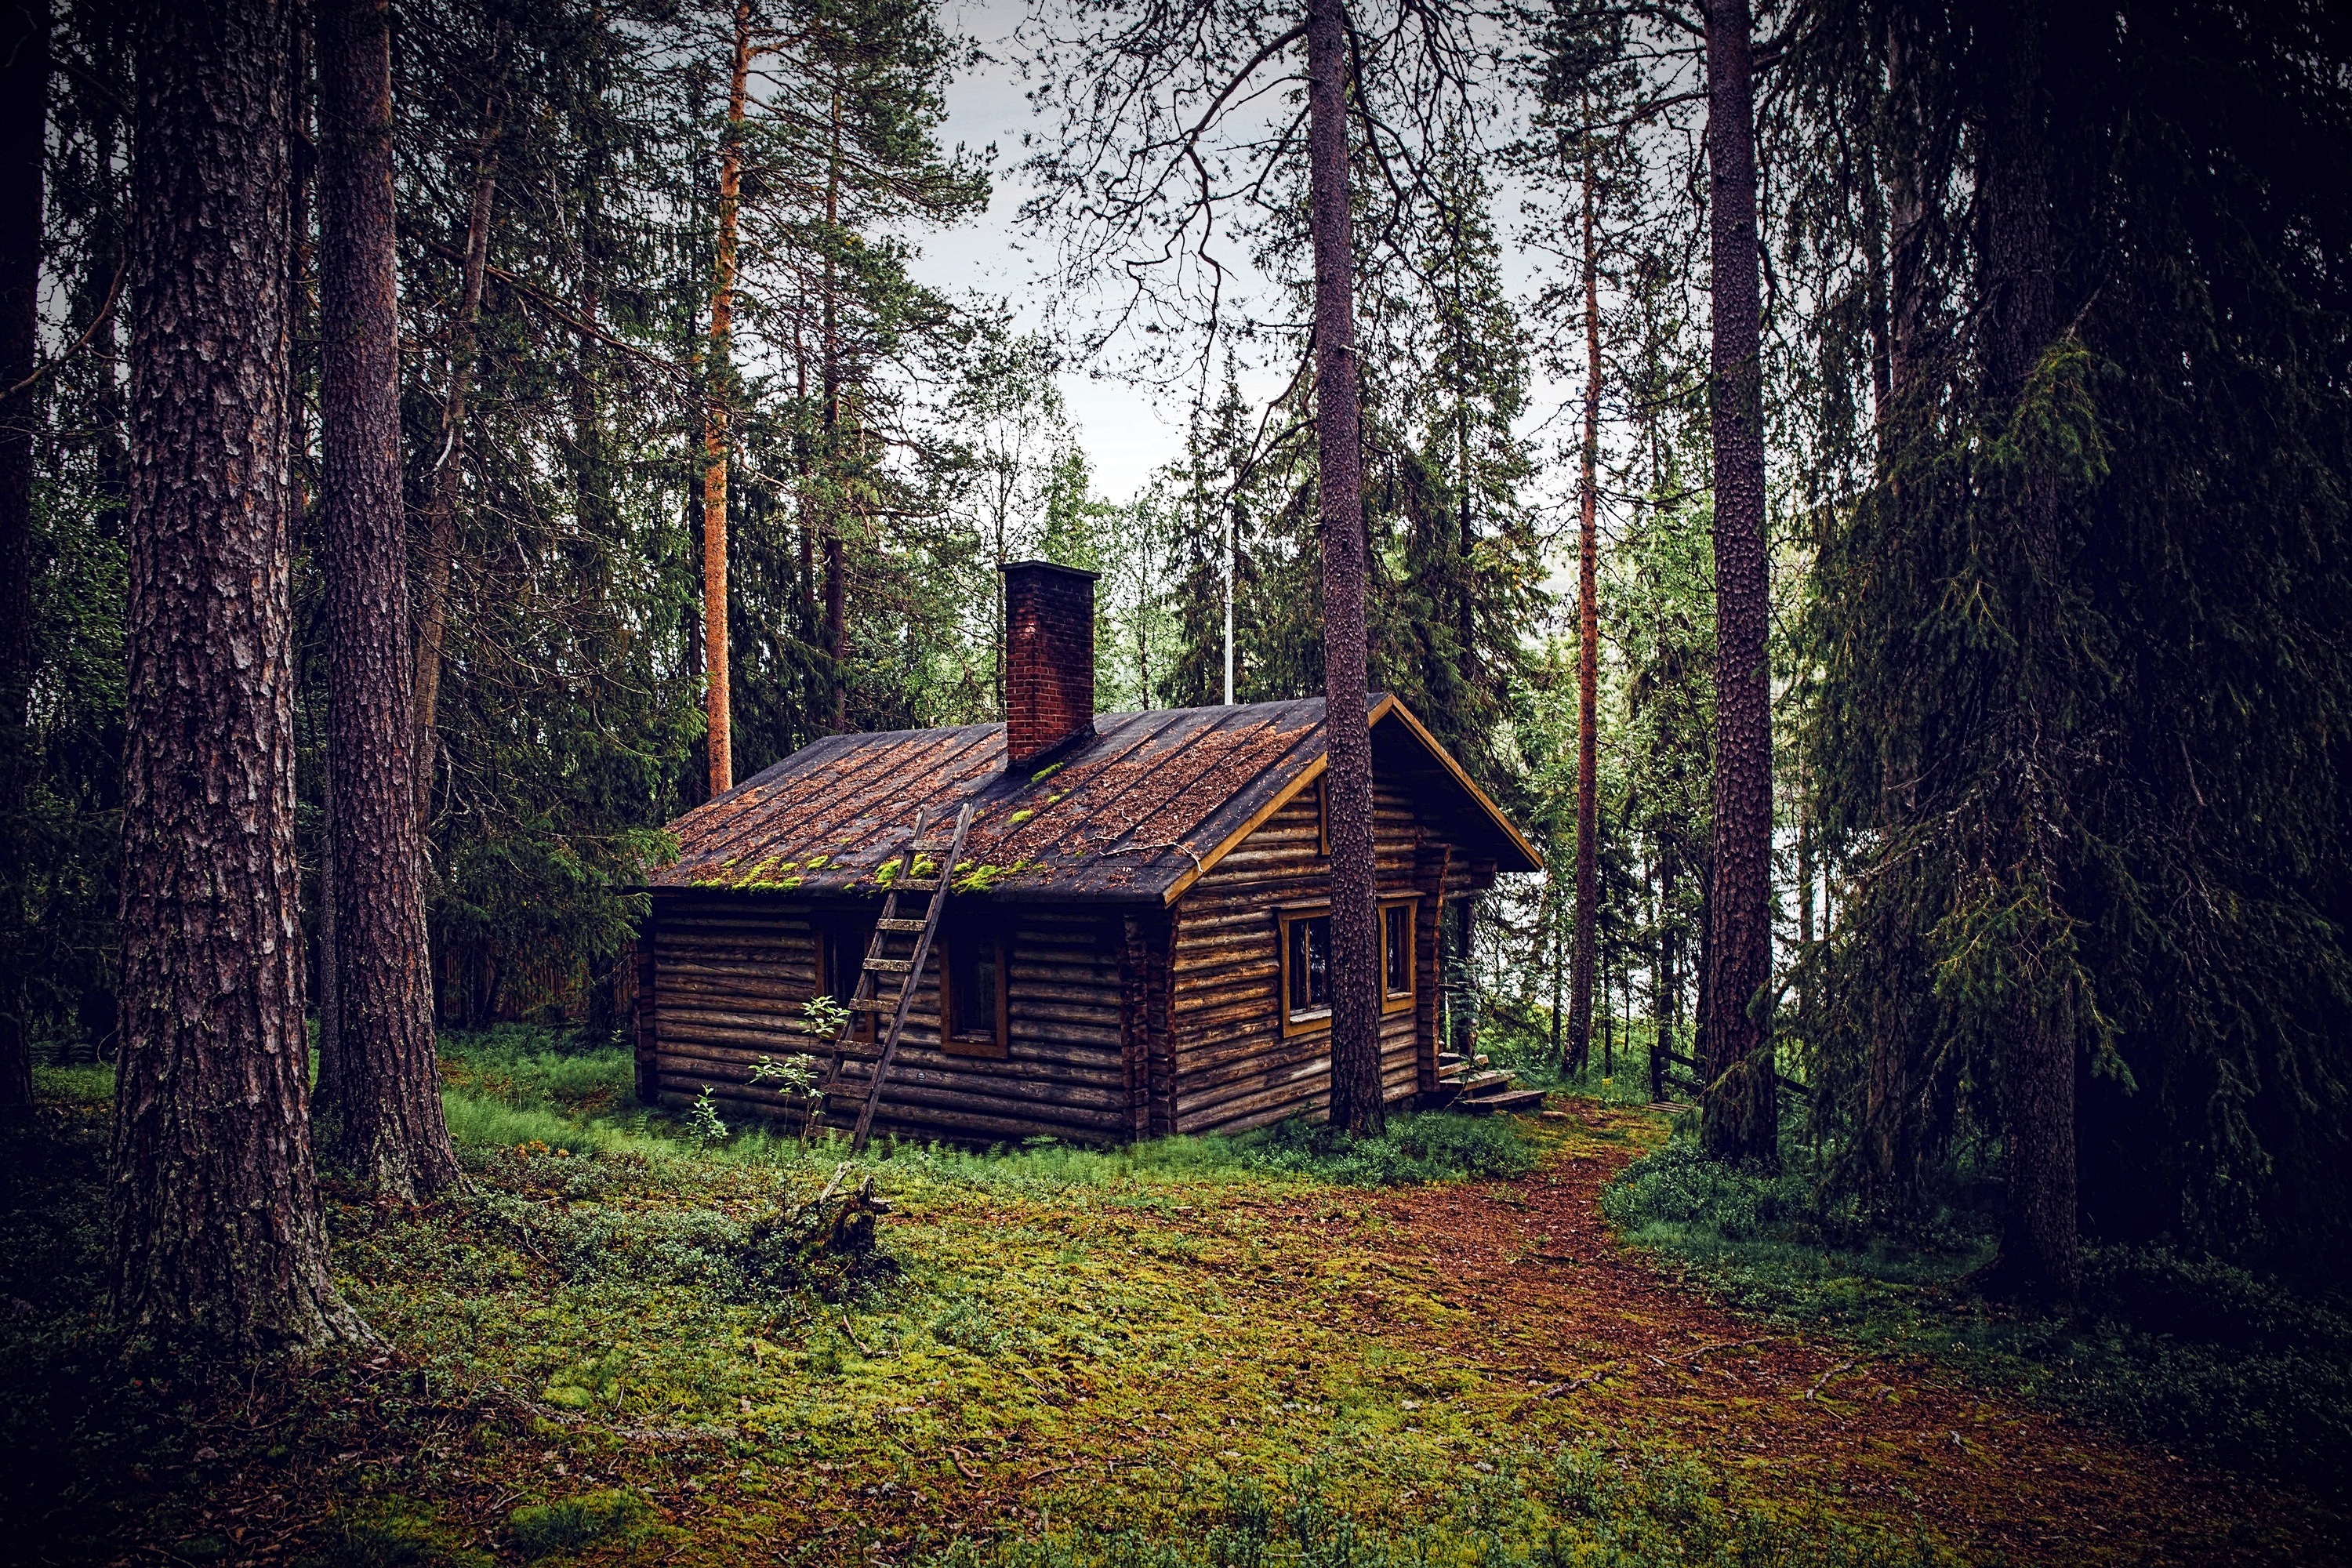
(956, 1456)
(852, 1336)
(1562, 1388)
(1710, 1349)
(1814, 1392)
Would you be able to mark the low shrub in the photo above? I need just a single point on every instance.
(542, 1530)
(1429, 1146)
(2190, 1354)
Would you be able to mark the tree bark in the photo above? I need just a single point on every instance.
(1588, 661)
(1741, 1118)
(216, 1238)
(836, 607)
(447, 471)
(23, 125)
(716, 705)
(384, 1125)
(1356, 1100)
(2040, 1254)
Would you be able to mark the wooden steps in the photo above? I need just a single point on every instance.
(1474, 1088)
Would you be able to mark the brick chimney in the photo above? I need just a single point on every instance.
(1049, 658)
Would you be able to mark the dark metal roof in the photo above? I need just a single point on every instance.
(1133, 812)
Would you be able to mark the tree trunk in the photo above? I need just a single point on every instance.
(24, 126)
(1588, 661)
(447, 471)
(2039, 1252)
(716, 704)
(385, 1128)
(1667, 1003)
(215, 1232)
(1356, 1100)
(1906, 233)
(1740, 1116)
(1556, 929)
(837, 637)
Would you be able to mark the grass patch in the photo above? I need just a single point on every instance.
(542, 1530)
(2189, 1354)
(1530, 1507)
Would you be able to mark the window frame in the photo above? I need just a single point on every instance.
(1393, 1000)
(843, 939)
(997, 1046)
(1314, 1021)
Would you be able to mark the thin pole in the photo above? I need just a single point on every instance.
(1232, 549)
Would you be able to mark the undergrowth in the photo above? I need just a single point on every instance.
(2191, 1354)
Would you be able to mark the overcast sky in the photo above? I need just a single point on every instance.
(1120, 427)
(1125, 431)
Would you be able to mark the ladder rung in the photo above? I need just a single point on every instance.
(889, 966)
(899, 925)
(915, 885)
(872, 1005)
(929, 846)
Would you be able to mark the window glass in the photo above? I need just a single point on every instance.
(972, 982)
(1396, 969)
(842, 949)
(1310, 964)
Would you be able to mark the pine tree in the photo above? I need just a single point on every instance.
(385, 1123)
(1741, 1102)
(217, 1234)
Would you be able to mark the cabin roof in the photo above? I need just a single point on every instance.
(1134, 812)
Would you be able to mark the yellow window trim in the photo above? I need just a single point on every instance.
(1319, 1021)
(1400, 1001)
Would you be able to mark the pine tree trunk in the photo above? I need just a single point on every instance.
(216, 1236)
(2040, 1244)
(837, 637)
(447, 471)
(385, 1128)
(1356, 1099)
(1741, 1111)
(1587, 662)
(716, 697)
(23, 124)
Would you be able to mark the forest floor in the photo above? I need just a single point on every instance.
(1172, 1356)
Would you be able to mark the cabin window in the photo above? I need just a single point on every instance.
(1396, 955)
(840, 953)
(1306, 972)
(973, 998)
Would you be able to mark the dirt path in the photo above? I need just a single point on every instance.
(1602, 1333)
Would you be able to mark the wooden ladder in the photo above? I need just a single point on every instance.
(879, 968)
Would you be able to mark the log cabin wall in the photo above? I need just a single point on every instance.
(730, 972)
(1234, 1067)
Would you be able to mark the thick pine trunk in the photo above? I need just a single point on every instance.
(1588, 663)
(1741, 1120)
(448, 472)
(1356, 1102)
(23, 122)
(2040, 1244)
(216, 1236)
(717, 703)
(386, 1127)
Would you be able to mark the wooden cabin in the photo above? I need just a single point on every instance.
(1136, 939)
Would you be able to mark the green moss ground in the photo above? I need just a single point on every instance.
(1242, 1354)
